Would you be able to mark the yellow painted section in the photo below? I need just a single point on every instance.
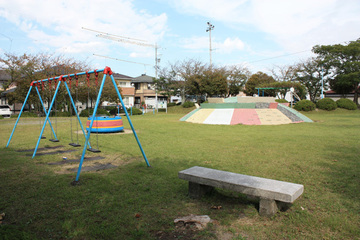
(200, 116)
(272, 117)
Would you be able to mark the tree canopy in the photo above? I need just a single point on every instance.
(256, 80)
(344, 62)
(26, 68)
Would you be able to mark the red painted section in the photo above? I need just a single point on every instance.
(245, 116)
(273, 105)
(105, 124)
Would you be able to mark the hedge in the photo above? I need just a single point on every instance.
(188, 104)
(305, 105)
(346, 103)
(326, 104)
(281, 101)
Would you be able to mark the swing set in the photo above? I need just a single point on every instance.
(65, 79)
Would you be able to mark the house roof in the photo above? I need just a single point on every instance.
(4, 76)
(121, 76)
(143, 79)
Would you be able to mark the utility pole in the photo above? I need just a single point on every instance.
(322, 82)
(209, 29)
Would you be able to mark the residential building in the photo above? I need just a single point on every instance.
(145, 92)
(127, 90)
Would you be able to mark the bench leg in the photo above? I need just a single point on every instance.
(198, 190)
(268, 207)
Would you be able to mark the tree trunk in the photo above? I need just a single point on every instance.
(356, 98)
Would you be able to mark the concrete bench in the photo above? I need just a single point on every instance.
(273, 194)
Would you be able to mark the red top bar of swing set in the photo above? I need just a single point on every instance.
(106, 70)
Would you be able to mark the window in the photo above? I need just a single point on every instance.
(137, 86)
(122, 84)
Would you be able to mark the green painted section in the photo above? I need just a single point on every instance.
(227, 105)
(230, 100)
(184, 118)
(302, 116)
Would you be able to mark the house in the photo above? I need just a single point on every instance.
(127, 90)
(145, 92)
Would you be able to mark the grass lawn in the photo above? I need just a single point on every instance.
(133, 201)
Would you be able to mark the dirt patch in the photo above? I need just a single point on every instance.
(187, 231)
(92, 163)
(126, 131)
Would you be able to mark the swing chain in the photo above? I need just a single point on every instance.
(96, 77)
(69, 81)
(88, 79)
(77, 80)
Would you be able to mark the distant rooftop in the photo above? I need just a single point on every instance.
(121, 76)
(144, 79)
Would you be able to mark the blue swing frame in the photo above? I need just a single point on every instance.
(62, 79)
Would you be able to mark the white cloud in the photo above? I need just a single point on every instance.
(296, 25)
(202, 43)
(230, 45)
(195, 43)
(58, 23)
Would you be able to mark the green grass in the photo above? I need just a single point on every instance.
(40, 203)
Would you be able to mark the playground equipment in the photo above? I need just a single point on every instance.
(63, 80)
(106, 124)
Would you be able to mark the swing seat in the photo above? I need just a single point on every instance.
(54, 140)
(74, 145)
(93, 150)
(43, 137)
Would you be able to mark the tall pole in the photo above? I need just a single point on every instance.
(156, 77)
(322, 82)
(209, 29)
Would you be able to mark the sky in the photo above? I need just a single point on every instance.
(258, 34)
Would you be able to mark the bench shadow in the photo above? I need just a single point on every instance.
(236, 200)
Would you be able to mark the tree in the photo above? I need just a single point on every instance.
(167, 83)
(311, 73)
(256, 80)
(188, 74)
(29, 67)
(284, 73)
(237, 77)
(344, 61)
(214, 82)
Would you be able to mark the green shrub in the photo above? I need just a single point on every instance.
(135, 111)
(188, 104)
(281, 101)
(84, 113)
(1, 117)
(305, 105)
(346, 103)
(326, 104)
(112, 110)
(171, 104)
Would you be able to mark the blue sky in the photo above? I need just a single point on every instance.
(251, 33)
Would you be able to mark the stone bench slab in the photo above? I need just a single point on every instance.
(201, 178)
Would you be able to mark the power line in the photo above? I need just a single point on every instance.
(121, 59)
(260, 60)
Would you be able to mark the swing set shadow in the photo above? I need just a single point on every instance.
(63, 79)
